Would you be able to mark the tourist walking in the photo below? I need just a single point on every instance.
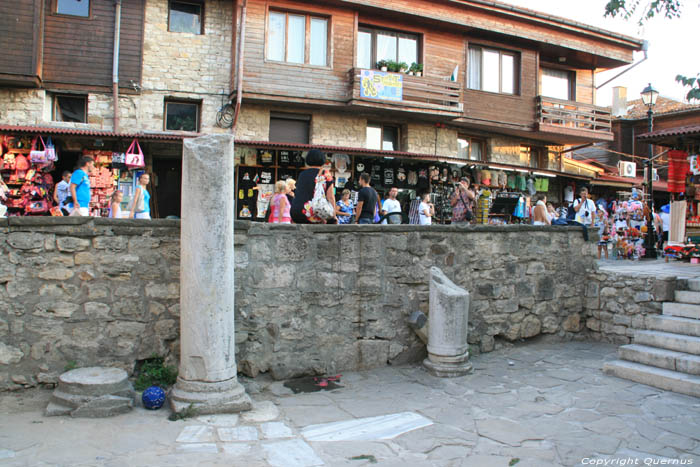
(344, 208)
(462, 201)
(115, 205)
(426, 210)
(306, 184)
(366, 202)
(80, 187)
(279, 205)
(391, 205)
(62, 192)
(141, 204)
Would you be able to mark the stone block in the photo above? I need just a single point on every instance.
(530, 327)
(572, 323)
(163, 291)
(84, 257)
(643, 297)
(116, 243)
(10, 355)
(56, 274)
(550, 325)
(26, 240)
(72, 244)
(57, 309)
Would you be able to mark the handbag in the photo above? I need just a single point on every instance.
(38, 156)
(319, 208)
(51, 154)
(134, 160)
(468, 214)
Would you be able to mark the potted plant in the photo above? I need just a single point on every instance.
(383, 65)
(403, 68)
(416, 68)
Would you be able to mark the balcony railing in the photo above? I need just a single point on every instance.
(419, 93)
(553, 114)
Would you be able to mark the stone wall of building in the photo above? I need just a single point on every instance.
(253, 123)
(310, 299)
(504, 150)
(616, 305)
(22, 106)
(428, 139)
(336, 129)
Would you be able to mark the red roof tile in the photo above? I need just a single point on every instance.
(49, 130)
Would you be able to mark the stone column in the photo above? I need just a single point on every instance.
(448, 351)
(207, 379)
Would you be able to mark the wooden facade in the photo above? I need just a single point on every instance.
(62, 51)
(446, 30)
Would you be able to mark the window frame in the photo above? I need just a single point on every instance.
(308, 16)
(501, 53)
(472, 140)
(307, 118)
(200, 4)
(572, 80)
(381, 127)
(54, 11)
(54, 105)
(175, 100)
(373, 30)
(535, 155)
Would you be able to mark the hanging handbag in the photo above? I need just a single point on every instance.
(133, 159)
(319, 208)
(51, 154)
(38, 156)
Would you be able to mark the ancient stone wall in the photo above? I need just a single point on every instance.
(616, 305)
(336, 129)
(309, 298)
(428, 139)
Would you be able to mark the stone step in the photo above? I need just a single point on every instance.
(687, 296)
(674, 324)
(684, 310)
(667, 340)
(661, 358)
(694, 284)
(657, 377)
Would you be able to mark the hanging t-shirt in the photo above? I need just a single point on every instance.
(423, 182)
(486, 177)
(401, 177)
(376, 174)
(389, 180)
(434, 173)
(569, 194)
(412, 177)
(265, 193)
(246, 197)
(502, 179)
(265, 176)
(266, 157)
(511, 181)
(520, 182)
(284, 174)
(341, 178)
(531, 186)
(285, 158)
(360, 167)
(542, 184)
(297, 159)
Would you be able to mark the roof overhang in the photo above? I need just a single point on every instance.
(93, 133)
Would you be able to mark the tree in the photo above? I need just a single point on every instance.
(670, 9)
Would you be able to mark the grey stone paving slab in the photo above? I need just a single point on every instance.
(505, 431)
(219, 420)
(196, 434)
(263, 411)
(239, 433)
(292, 453)
(198, 448)
(236, 449)
(273, 430)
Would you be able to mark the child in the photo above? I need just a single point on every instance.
(604, 233)
(279, 206)
(115, 208)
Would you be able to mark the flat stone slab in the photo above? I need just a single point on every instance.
(239, 433)
(263, 411)
(292, 453)
(94, 381)
(196, 434)
(272, 430)
(203, 448)
(366, 429)
(219, 420)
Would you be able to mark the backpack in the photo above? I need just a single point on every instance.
(570, 212)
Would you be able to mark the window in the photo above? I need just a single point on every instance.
(532, 157)
(182, 115)
(492, 70)
(185, 17)
(287, 38)
(70, 109)
(558, 84)
(470, 148)
(73, 7)
(289, 128)
(379, 44)
(382, 137)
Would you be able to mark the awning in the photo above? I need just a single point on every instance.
(627, 182)
(93, 133)
(677, 137)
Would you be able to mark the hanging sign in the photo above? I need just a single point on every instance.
(381, 85)
(694, 164)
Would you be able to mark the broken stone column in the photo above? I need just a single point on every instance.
(92, 392)
(448, 351)
(207, 378)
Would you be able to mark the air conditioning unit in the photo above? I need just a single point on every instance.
(654, 175)
(627, 169)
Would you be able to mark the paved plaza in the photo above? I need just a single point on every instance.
(534, 404)
(657, 268)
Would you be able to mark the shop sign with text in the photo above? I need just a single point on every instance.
(381, 85)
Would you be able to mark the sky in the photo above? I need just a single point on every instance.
(674, 45)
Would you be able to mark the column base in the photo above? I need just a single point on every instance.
(448, 367)
(209, 398)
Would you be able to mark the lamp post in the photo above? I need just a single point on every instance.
(649, 95)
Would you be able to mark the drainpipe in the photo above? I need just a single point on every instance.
(115, 63)
(239, 67)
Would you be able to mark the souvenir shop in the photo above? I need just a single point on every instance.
(31, 164)
(505, 192)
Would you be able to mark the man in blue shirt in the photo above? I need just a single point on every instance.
(80, 186)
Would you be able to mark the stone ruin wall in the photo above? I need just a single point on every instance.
(311, 299)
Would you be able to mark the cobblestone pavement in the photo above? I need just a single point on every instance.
(539, 402)
(653, 267)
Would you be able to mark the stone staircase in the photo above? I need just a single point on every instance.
(667, 354)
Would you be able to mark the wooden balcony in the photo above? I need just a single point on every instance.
(420, 94)
(573, 121)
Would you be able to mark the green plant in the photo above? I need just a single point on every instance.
(153, 372)
(382, 63)
(393, 66)
(416, 67)
(71, 365)
(189, 412)
(514, 461)
(403, 68)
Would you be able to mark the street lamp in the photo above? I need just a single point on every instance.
(649, 95)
